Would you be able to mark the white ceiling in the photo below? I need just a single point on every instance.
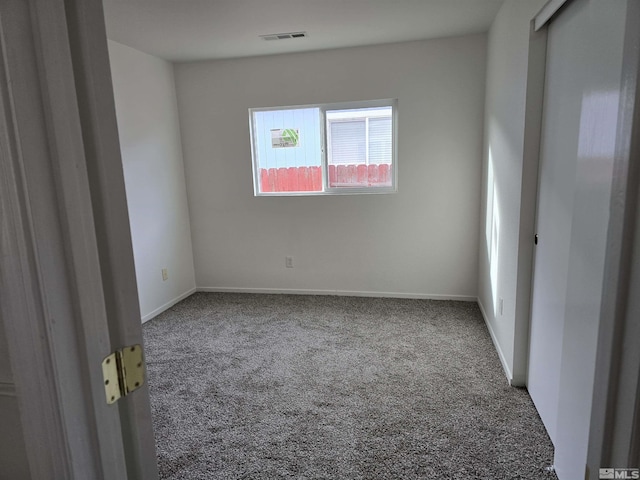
(183, 30)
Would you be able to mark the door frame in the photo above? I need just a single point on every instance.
(68, 293)
(534, 110)
(614, 438)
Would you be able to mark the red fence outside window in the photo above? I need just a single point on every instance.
(309, 179)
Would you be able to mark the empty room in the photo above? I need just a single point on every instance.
(350, 239)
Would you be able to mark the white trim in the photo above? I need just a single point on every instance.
(335, 191)
(340, 293)
(381, 102)
(548, 11)
(7, 389)
(167, 305)
(534, 98)
(496, 344)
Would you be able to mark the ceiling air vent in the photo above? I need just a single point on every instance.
(283, 36)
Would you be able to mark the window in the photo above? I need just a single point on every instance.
(324, 149)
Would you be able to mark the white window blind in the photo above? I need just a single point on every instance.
(360, 136)
(380, 140)
(348, 142)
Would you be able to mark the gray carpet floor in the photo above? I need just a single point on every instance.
(283, 386)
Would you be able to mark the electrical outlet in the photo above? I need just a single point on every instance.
(165, 274)
(288, 262)
(501, 307)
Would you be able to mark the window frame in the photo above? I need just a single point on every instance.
(324, 155)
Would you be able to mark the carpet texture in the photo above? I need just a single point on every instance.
(284, 386)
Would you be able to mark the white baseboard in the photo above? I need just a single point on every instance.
(494, 339)
(341, 293)
(167, 305)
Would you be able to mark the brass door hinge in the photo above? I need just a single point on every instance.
(123, 372)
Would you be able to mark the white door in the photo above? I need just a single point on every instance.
(580, 114)
(88, 45)
(558, 155)
(69, 296)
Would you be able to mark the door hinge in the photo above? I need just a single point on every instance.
(123, 372)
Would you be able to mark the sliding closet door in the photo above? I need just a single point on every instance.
(558, 155)
(578, 146)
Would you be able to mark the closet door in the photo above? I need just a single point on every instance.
(557, 175)
(581, 114)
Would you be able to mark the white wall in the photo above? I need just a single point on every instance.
(421, 241)
(502, 244)
(149, 130)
